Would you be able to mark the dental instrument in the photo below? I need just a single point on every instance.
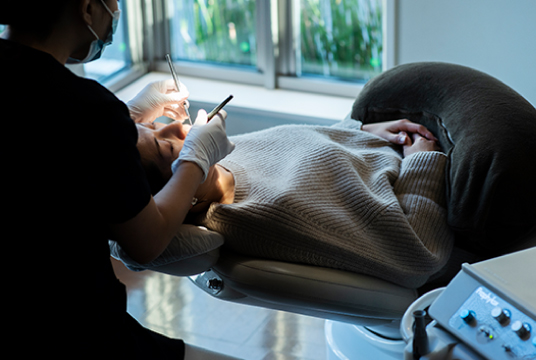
(219, 107)
(176, 79)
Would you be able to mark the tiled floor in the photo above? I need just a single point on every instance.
(173, 306)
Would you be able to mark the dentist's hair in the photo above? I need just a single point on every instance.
(33, 16)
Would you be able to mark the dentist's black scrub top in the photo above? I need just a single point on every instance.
(70, 168)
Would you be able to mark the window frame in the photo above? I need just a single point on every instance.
(139, 64)
(274, 19)
(137, 25)
(149, 40)
(136, 18)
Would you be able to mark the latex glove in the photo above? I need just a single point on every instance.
(205, 144)
(159, 98)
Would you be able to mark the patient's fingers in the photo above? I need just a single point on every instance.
(403, 139)
(411, 127)
(420, 143)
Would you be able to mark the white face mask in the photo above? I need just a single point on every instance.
(97, 46)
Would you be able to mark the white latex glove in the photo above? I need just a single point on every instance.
(159, 98)
(206, 143)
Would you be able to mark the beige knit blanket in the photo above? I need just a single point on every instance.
(336, 197)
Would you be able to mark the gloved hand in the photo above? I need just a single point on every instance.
(205, 144)
(159, 98)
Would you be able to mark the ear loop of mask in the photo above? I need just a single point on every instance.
(115, 16)
(93, 32)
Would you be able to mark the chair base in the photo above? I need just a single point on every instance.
(347, 341)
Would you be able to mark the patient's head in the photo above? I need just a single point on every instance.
(159, 144)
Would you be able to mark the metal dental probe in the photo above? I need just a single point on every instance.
(176, 79)
(219, 107)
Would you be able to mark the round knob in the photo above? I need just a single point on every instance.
(501, 315)
(468, 316)
(521, 329)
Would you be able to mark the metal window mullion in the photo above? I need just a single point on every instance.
(389, 34)
(160, 37)
(266, 16)
(134, 32)
(288, 63)
(145, 25)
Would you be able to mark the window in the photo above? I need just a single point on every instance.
(278, 43)
(341, 38)
(326, 46)
(116, 57)
(220, 32)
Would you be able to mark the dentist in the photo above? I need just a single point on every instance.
(67, 300)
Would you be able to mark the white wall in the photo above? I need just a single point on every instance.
(494, 36)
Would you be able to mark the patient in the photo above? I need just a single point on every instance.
(369, 199)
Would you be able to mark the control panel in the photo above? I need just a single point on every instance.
(490, 307)
(495, 327)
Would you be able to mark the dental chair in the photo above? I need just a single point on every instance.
(488, 132)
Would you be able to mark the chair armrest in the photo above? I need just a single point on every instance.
(308, 290)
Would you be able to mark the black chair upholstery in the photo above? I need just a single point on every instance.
(489, 133)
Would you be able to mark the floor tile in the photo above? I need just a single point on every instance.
(176, 308)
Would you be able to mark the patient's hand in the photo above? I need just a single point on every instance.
(397, 131)
(420, 143)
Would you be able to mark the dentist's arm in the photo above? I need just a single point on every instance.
(147, 235)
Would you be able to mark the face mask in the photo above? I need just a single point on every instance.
(97, 46)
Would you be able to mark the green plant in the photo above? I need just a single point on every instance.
(339, 38)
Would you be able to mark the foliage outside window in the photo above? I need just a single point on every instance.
(338, 38)
(214, 31)
(341, 38)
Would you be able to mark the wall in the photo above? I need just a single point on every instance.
(494, 36)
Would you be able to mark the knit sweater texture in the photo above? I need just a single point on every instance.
(336, 197)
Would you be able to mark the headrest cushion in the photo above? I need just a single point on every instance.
(489, 133)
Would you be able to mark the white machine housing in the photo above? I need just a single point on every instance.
(490, 307)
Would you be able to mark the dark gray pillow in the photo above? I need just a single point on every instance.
(489, 133)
